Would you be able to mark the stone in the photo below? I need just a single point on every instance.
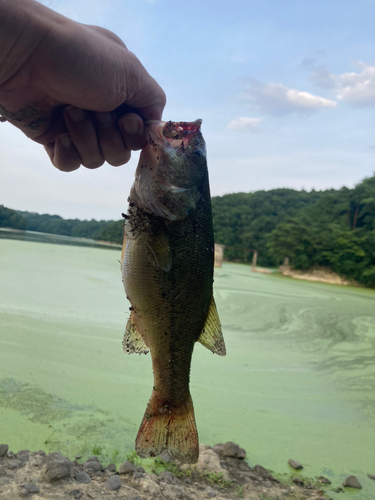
(23, 492)
(31, 488)
(137, 474)
(76, 494)
(165, 457)
(78, 457)
(23, 455)
(3, 450)
(127, 468)
(371, 476)
(168, 477)
(324, 480)
(218, 448)
(264, 474)
(210, 492)
(15, 464)
(36, 460)
(140, 469)
(56, 466)
(111, 468)
(92, 466)
(294, 464)
(298, 481)
(2, 472)
(113, 483)
(352, 482)
(82, 477)
(204, 447)
(231, 449)
(149, 487)
(208, 463)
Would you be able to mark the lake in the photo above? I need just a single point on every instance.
(298, 380)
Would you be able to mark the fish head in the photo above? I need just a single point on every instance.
(172, 170)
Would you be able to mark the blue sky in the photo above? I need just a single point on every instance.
(286, 91)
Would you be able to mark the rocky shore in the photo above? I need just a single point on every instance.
(221, 473)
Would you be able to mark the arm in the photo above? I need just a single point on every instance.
(62, 84)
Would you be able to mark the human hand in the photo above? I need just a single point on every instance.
(77, 91)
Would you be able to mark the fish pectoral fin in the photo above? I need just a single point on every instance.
(133, 341)
(159, 251)
(211, 335)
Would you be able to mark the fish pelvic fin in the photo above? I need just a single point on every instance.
(171, 429)
(211, 335)
(133, 341)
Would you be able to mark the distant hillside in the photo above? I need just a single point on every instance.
(333, 228)
(11, 218)
(97, 230)
(243, 221)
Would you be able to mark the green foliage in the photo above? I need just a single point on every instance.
(112, 231)
(11, 219)
(217, 478)
(160, 466)
(97, 450)
(242, 221)
(239, 491)
(338, 232)
(132, 457)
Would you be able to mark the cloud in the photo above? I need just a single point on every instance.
(358, 89)
(245, 124)
(277, 99)
(322, 77)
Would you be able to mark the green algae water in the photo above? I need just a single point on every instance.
(298, 380)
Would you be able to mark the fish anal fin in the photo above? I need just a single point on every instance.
(211, 335)
(159, 251)
(171, 429)
(133, 341)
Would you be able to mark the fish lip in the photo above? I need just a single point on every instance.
(177, 134)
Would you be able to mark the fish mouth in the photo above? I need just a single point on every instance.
(178, 134)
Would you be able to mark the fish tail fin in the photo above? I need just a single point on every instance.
(168, 428)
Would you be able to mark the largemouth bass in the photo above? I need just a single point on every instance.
(167, 269)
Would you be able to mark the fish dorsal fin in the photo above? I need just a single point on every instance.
(133, 341)
(159, 251)
(212, 336)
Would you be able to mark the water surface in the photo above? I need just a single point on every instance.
(298, 380)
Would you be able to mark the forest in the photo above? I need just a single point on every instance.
(334, 229)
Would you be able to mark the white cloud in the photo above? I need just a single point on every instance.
(245, 124)
(358, 88)
(277, 99)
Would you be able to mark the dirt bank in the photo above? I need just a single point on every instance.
(322, 275)
(221, 473)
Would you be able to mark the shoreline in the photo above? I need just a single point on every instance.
(221, 472)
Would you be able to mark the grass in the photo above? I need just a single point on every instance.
(239, 491)
(217, 479)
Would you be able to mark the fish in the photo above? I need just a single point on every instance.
(167, 271)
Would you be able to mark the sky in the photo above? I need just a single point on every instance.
(286, 91)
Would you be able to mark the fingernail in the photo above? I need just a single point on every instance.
(65, 141)
(130, 126)
(76, 114)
